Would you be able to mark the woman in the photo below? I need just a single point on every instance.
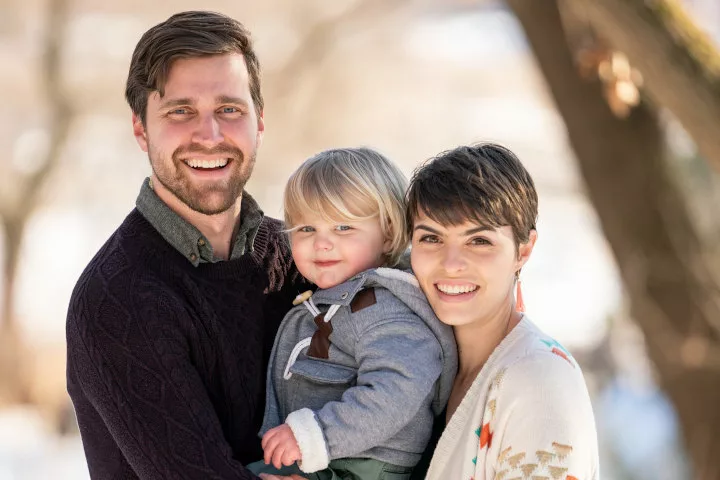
(519, 407)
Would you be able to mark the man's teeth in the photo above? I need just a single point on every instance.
(456, 289)
(218, 163)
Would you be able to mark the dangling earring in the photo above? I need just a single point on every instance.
(519, 303)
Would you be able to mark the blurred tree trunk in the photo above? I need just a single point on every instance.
(293, 91)
(13, 385)
(669, 279)
(18, 199)
(680, 64)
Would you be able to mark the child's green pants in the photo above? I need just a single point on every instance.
(343, 469)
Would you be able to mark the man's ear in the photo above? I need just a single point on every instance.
(260, 127)
(139, 132)
(525, 249)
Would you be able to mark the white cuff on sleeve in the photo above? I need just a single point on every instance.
(310, 439)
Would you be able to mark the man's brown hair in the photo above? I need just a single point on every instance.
(486, 184)
(186, 35)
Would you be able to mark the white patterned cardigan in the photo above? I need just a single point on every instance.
(527, 415)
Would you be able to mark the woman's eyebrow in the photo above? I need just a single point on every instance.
(426, 228)
(482, 228)
(472, 231)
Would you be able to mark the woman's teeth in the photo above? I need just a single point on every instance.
(456, 289)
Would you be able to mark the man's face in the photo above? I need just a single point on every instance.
(202, 135)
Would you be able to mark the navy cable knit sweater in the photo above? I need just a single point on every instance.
(167, 361)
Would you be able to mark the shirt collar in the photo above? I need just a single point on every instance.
(186, 238)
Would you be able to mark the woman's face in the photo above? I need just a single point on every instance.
(467, 271)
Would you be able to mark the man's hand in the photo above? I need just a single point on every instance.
(280, 447)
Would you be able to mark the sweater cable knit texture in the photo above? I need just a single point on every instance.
(167, 361)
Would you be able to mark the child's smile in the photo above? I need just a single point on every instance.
(328, 253)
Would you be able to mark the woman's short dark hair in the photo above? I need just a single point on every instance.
(485, 183)
(185, 35)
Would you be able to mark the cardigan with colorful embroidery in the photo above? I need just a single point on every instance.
(526, 415)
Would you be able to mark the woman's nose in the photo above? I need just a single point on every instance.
(453, 259)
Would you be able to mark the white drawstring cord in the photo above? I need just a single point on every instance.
(311, 306)
(305, 342)
(331, 312)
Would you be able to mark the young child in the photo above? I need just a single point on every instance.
(361, 367)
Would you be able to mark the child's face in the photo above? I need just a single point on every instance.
(328, 253)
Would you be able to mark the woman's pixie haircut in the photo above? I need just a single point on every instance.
(350, 184)
(485, 184)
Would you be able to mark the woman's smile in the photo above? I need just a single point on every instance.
(456, 292)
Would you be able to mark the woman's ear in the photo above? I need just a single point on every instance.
(525, 249)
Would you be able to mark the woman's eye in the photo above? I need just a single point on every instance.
(480, 241)
(429, 239)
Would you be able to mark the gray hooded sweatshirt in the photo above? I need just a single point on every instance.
(360, 370)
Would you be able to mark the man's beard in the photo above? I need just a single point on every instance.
(210, 198)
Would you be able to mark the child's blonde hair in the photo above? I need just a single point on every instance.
(351, 184)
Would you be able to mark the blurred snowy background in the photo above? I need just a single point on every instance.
(411, 78)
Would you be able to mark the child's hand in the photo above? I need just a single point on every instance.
(280, 446)
(267, 476)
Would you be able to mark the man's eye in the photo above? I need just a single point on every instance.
(229, 110)
(179, 111)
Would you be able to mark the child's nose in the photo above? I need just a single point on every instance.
(323, 243)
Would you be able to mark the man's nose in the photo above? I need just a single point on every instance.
(208, 132)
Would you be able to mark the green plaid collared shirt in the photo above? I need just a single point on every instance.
(187, 239)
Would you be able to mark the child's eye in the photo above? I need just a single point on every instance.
(429, 239)
(306, 229)
(343, 228)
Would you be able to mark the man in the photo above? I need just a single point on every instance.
(170, 327)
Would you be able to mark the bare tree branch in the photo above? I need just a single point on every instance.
(61, 114)
(320, 40)
(16, 210)
(59, 118)
(679, 63)
(673, 293)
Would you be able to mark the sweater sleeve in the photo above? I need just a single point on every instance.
(141, 406)
(391, 387)
(538, 421)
